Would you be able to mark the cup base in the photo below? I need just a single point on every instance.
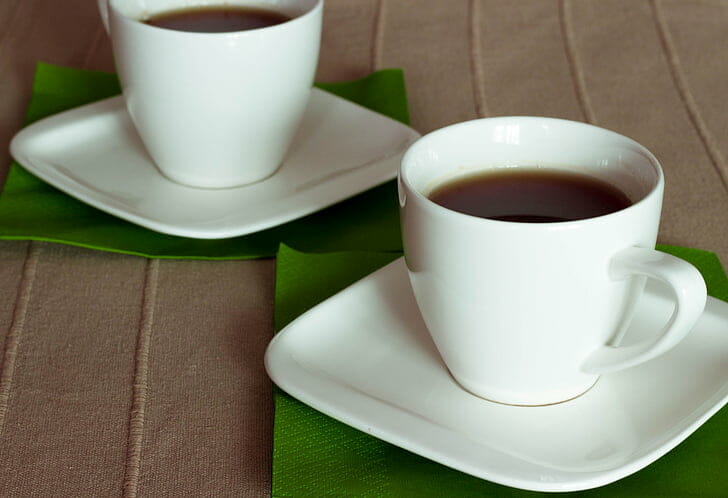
(210, 184)
(535, 400)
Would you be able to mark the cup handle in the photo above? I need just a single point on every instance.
(690, 295)
(104, 11)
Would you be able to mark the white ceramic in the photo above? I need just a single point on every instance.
(94, 154)
(215, 109)
(532, 313)
(365, 358)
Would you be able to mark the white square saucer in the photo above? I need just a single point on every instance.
(364, 357)
(94, 154)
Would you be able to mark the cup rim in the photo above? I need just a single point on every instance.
(312, 11)
(405, 183)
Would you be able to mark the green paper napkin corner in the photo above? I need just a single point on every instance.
(315, 455)
(31, 209)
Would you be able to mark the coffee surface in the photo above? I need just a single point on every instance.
(217, 19)
(530, 195)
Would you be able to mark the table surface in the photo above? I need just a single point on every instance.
(125, 375)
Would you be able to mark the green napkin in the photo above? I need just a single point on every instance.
(315, 455)
(30, 209)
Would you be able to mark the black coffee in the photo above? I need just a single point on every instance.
(530, 196)
(217, 19)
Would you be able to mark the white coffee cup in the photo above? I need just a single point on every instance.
(215, 110)
(532, 313)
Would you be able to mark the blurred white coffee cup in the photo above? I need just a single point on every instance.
(215, 110)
